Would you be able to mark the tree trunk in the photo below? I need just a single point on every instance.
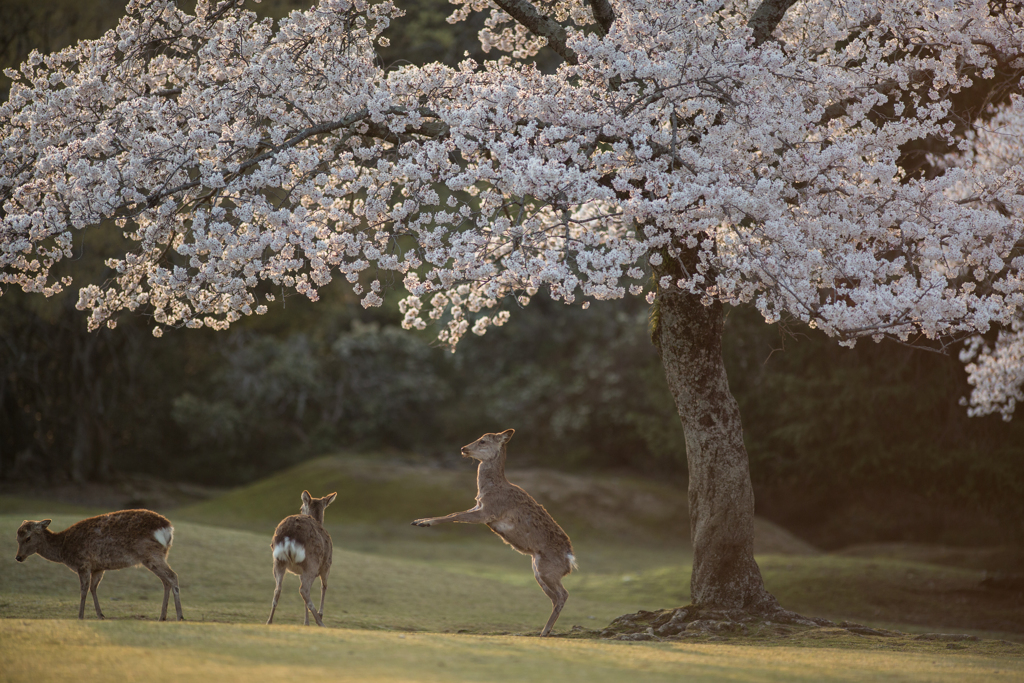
(689, 338)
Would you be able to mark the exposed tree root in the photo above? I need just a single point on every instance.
(696, 622)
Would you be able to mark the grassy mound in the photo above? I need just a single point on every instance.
(377, 496)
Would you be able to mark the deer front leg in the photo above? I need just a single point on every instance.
(475, 516)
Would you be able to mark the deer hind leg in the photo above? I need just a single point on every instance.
(158, 565)
(84, 576)
(96, 578)
(307, 583)
(323, 589)
(279, 571)
(549, 576)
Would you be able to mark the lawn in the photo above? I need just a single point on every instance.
(145, 651)
(456, 604)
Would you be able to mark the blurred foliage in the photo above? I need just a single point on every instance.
(49, 25)
(823, 424)
(877, 427)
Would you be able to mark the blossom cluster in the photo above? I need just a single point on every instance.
(234, 154)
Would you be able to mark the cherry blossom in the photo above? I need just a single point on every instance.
(231, 154)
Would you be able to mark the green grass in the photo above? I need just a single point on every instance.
(124, 650)
(447, 603)
(225, 576)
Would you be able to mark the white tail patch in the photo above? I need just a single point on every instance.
(164, 536)
(289, 550)
(572, 560)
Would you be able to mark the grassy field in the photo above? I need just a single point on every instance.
(122, 650)
(453, 603)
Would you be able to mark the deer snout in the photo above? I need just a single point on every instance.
(19, 558)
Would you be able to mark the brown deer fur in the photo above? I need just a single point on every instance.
(302, 546)
(521, 521)
(112, 541)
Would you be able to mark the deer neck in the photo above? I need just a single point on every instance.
(52, 548)
(318, 516)
(491, 473)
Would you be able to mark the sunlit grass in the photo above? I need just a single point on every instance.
(225, 576)
(447, 604)
(124, 650)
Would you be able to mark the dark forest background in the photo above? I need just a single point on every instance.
(876, 432)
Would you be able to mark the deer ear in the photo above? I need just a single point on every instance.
(45, 523)
(507, 435)
(306, 498)
(329, 498)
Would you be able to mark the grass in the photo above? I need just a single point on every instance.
(94, 651)
(447, 603)
(225, 576)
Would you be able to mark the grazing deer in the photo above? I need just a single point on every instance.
(302, 546)
(112, 541)
(521, 521)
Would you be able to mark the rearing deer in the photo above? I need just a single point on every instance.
(112, 541)
(302, 546)
(521, 521)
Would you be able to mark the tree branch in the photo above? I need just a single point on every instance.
(766, 17)
(328, 127)
(545, 27)
(603, 13)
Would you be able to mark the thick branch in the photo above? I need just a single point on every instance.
(603, 13)
(766, 17)
(527, 15)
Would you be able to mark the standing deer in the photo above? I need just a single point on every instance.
(302, 546)
(112, 541)
(521, 521)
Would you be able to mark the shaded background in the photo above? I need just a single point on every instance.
(874, 434)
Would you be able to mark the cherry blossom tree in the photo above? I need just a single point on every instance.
(852, 165)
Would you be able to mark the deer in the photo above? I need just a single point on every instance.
(517, 518)
(302, 546)
(115, 540)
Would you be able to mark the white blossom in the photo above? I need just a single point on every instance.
(245, 156)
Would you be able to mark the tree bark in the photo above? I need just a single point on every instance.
(688, 335)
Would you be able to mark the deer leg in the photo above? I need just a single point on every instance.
(549, 577)
(475, 516)
(307, 583)
(175, 592)
(167, 576)
(279, 570)
(96, 578)
(323, 592)
(84, 576)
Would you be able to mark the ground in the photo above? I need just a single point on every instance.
(454, 603)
